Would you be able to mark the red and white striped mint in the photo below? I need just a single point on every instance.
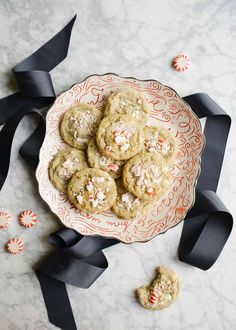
(28, 218)
(181, 62)
(153, 298)
(5, 219)
(15, 246)
(112, 167)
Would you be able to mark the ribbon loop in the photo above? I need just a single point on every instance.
(216, 132)
(208, 224)
(206, 231)
(64, 238)
(35, 83)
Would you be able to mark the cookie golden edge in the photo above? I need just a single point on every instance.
(146, 109)
(55, 180)
(126, 175)
(92, 149)
(66, 137)
(93, 172)
(169, 136)
(125, 213)
(105, 123)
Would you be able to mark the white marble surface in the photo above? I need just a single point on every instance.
(132, 38)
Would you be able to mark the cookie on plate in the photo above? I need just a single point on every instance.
(64, 165)
(97, 160)
(120, 137)
(79, 124)
(128, 206)
(128, 102)
(146, 175)
(159, 140)
(161, 292)
(92, 190)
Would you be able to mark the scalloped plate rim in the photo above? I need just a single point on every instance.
(199, 158)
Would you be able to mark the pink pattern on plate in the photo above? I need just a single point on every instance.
(168, 111)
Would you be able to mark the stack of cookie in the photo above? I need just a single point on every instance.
(127, 164)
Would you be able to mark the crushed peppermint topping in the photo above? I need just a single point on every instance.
(84, 120)
(147, 175)
(131, 107)
(103, 163)
(155, 143)
(120, 140)
(113, 167)
(62, 172)
(95, 194)
(122, 134)
(129, 200)
(68, 164)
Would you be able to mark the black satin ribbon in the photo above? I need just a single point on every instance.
(208, 224)
(35, 91)
(78, 260)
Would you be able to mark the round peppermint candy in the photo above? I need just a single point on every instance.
(5, 219)
(181, 62)
(28, 218)
(15, 246)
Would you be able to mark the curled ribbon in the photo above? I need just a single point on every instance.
(35, 91)
(208, 224)
(78, 261)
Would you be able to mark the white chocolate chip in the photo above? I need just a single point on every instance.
(99, 179)
(79, 199)
(165, 169)
(95, 203)
(119, 140)
(82, 140)
(89, 187)
(136, 170)
(125, 147)
(68, 164)
(100, 195)
(152, 149)
(127, 198)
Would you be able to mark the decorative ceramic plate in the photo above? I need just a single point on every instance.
(168, 111)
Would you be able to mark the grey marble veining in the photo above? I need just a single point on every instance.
(132, 38)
